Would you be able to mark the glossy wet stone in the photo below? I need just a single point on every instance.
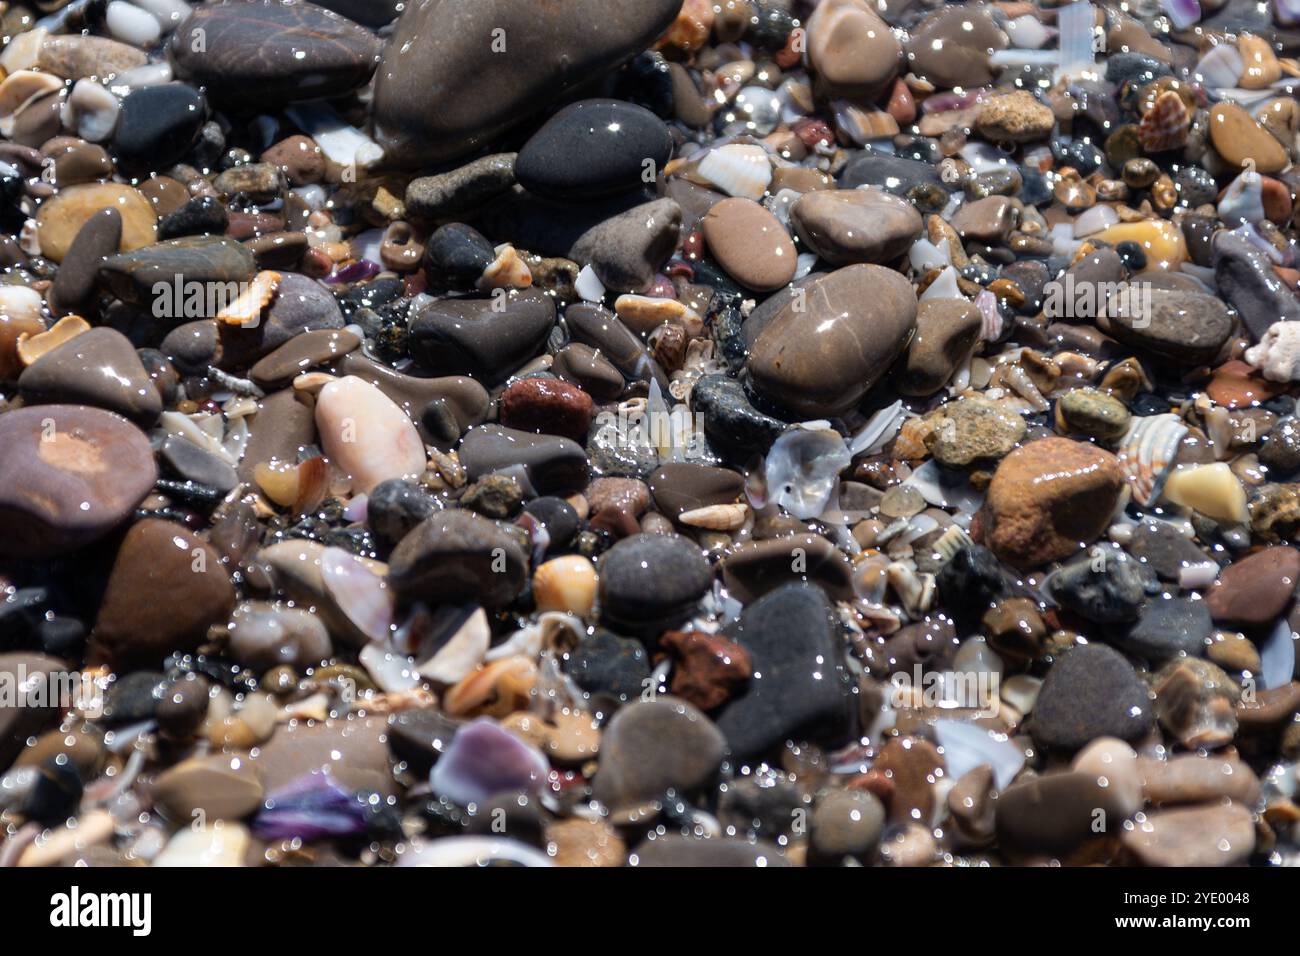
(1168, 627)
(852, 347)
(366, 435)
(60, 220)
(149, 276)
(158, 125)
(652, 747)
(1186, 326)
(625, 250)
(301, 305)
(160, 557)
(484, 86)
(750, 244)
(462, 190)
(648, 582)
(1047, 499)
(800, 687)
(72, 473)
(1091, 692)
(464, 398)
(1255, 589)
(99, 236)
(550, 463)
(484, 337)
(455, 556)
(99, 368)
(859, 225)
(593, 148)
(304, 351)
(274, 52)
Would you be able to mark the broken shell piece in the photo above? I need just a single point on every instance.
(312, 382)
(1211, 490)
(32, 347)
(507, 271)
(715, 517)
(359, 593)
(803, 467)
(1147, 450)
(278, 481)
(737, 169)
(246, 310)
(916, 591)
(951, 541)
(456, 659)
(20, 89)
(90, 111)
(497, 689)
(1278, 353)
(643, 314)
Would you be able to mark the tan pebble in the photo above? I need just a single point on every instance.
(1233, 652)
(1261, 65)
(61, 217)
(643, 314)
(278, 481)
(1240, 140)
(581, 842)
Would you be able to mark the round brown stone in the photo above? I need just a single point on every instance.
(1047, 499)
(750, 244)
(68, 475)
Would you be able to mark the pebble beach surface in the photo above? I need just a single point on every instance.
(650, 433)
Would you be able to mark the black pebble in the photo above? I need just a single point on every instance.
(158, 125)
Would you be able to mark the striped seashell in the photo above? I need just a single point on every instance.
(1165, 124)
(738, 169)
(1147, 451)
(952, 541)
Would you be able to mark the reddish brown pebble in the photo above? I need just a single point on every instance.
(708, 669)
(1255, 589)
(547, 405)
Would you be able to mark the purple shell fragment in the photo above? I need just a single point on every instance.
(309, 808)
(485, 759)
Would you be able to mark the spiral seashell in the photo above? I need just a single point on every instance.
(1147, 451)
(715, 517)
(1165, 124)
(951, 541)
(1277, 354)
(668, 346)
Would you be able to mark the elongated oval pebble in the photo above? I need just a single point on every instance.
(366, 435)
